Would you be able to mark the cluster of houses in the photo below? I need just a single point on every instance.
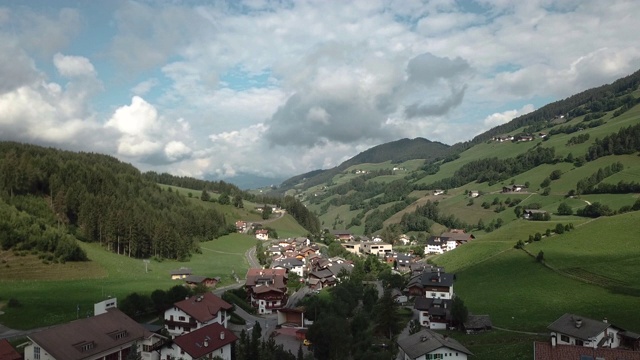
(517, 138)
(197, 328)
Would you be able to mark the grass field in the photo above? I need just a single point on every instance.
(590, 273)
(287, 227)
(49, 294)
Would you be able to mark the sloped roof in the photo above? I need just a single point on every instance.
(275, 276)
(544, 351)
(65, 341)
(589, 328)
(427, 341)
(7, 352)
(335, 268)
(205, 309)
(205, 340)
(262, 289)
(436, 278)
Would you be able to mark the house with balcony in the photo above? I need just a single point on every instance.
(207, 342)
(432, 283)
(267, 289)
(196, 312)
(434, 314)
(110, 335)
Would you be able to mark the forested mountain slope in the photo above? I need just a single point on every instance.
(96, 198)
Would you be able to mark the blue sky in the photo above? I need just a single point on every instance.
(213, 89)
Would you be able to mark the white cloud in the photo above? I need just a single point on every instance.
(271, 87)
(175, 150)
(504, 117)
(73, 66)
(138, 119)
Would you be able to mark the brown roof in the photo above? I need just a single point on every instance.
(205, 340)
(65, 341)
(274, 277)
(265, 289)
(7, 352)
(544, 351)
(204, 309)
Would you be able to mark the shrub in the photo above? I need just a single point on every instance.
(559, 229)
(564, 209)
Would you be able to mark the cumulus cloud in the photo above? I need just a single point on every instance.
(504, 117)
(73, 66)
(340, 104)
(137, 124)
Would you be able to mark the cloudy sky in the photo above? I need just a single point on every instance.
(215, 89)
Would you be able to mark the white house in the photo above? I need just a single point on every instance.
(196, 312)
(110, 335)
(572, 329)
(205, 343)
(376, 248)
(262, 234)
(428, 344)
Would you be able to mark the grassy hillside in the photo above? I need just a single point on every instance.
(49, 294)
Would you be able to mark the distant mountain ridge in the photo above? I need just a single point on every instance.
(396, 151)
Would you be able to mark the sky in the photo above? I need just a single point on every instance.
(220, 89)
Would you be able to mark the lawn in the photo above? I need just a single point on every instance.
(45, 300)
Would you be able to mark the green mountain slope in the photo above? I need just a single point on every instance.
(395, 152)
(597, 131)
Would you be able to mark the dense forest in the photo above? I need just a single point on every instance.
(95, 198)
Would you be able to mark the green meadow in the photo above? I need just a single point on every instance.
(50, 294)
(587, 271)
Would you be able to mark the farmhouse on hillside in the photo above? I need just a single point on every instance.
(262, 234)
(181, 273)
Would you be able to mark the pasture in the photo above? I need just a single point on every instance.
(51, 294)
(589, 272)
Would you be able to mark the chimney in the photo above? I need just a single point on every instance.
(578, 322)
(605, 320)
(221, 335)
(206, 343)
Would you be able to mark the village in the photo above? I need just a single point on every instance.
(199, 326)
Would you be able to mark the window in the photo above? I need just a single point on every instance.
(564, 338)
(181, 318)
(36, 352)
(579, 342)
